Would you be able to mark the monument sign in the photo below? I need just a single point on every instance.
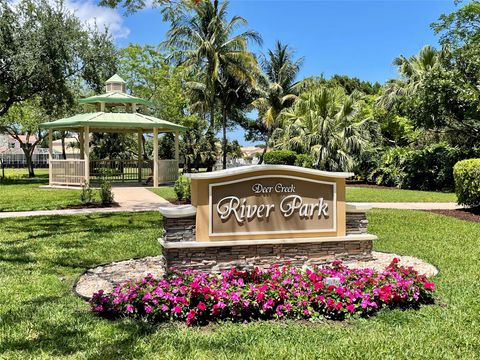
(264, 214)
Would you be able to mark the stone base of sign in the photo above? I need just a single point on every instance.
(180, 249)
(179, 229)
(243, 254)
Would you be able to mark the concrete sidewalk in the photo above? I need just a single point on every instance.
(129, 199)
(412, 205)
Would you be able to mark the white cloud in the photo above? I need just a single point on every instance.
(90, 13)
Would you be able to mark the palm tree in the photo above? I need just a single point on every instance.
(207, 41)
(412, 72)
(235, 97)
(277, 87)
(323, 123)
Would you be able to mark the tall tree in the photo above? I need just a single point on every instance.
(207, 41)
(235, 97)
(42, 48)
(277, 88)
(412, 71)
(39, 72)
(149, 75)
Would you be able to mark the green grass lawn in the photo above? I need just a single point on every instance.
(165, 191)
(41, 318)
(20, 193)
(364, 194)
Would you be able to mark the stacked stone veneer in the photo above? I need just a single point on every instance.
(179, 229)
(218, 256)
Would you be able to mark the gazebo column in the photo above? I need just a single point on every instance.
(86, 153)
(50, 156)
(177, 155)
(140, 153)
(155, 157)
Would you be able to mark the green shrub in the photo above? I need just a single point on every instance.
(187, 191)
(304, 160)
(388, 171)
(179, 189)
(86, 196)
(467, 182)
(429, 168)
(106, 194)
(280, 157)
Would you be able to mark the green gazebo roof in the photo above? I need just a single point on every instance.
(113, 121)
(115, 98)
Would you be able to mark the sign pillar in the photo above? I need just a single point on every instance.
(155, 157)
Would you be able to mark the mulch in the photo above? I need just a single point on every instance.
(462, 214)
(92, 206)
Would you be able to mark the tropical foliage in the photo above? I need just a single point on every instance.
(323, 123)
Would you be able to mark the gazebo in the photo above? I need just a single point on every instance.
(115, 112)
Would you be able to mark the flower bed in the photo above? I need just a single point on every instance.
(329, 292)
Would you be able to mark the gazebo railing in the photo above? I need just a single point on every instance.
(67, 172)
(72, 171)
(120, 170)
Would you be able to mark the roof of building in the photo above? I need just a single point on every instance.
(115, 98)
(113, 121)
(115, 79)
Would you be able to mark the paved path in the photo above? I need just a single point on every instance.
(413, 205)
(129, 199)
(137, 198)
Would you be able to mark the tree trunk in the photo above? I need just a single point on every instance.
(224, 140)
(265, 149)
(64, 152)
(28, 151)
(144, 150)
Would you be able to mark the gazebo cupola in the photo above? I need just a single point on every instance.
(116, 97)
(116, 112)
(115, 84)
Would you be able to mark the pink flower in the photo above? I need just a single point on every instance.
(429, 286)
(148, 309)
(177, 309)
(129, 308)
(351, 308)
(201, 306)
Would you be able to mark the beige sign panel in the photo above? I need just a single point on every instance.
(272, 204)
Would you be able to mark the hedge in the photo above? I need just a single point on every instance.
(280, 157)
(467, 182)
(430, 168)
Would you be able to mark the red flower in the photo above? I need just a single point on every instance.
(429, 286)
(201, 306)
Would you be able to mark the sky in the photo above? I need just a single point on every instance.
(357, 38)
